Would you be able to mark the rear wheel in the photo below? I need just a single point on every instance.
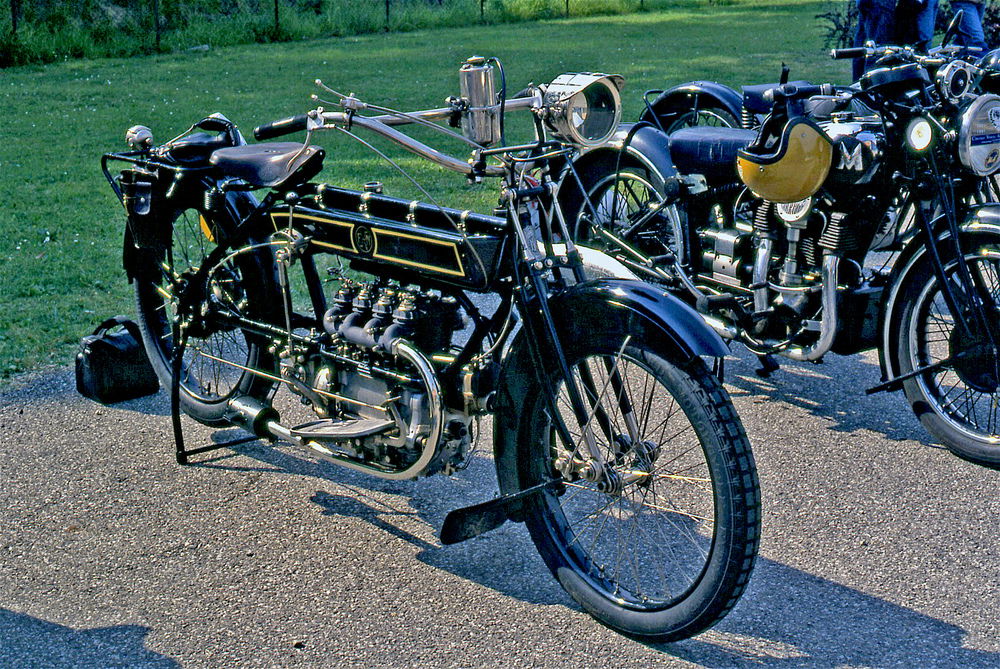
(661, 546)
(218, 355)
(958, 401)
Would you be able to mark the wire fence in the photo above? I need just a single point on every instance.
(40, 30)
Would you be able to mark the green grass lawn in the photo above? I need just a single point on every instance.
(61, 227)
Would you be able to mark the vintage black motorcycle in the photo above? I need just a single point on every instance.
(853, 218)
(613, 440)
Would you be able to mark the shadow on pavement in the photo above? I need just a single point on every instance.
(801, 620)
(833, 390)
(788, 618)
(26, 641)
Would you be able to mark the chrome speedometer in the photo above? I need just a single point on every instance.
(979, 135)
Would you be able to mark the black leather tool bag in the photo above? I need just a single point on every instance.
(112, 366)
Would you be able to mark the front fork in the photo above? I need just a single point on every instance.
(967, 300)
(585, 458)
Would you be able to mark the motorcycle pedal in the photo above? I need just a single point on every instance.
(768, 365)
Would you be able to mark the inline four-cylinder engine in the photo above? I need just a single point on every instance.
(374, 379)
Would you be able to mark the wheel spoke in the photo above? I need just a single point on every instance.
(962, 394)
(203, 376)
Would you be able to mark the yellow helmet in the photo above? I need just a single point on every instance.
(786, 167)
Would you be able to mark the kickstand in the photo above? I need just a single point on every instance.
(768, 365)
(176, 364)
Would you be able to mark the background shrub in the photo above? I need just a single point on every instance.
(50, 30)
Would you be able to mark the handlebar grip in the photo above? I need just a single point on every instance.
(790, 91)
(853, 52)
(285, 126)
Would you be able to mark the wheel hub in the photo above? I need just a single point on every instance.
(644, 455)
(975, 358)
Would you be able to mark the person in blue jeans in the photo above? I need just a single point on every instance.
(894, 22)
(915, 23)
(970, 29)
(876, 23)
(926, 15)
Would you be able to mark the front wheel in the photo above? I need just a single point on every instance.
(662, 545)
(958, 398)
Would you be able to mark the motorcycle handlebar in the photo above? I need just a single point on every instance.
(790, 91)
(285, 126)
(853, 52)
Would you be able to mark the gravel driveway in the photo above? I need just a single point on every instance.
(879, 548)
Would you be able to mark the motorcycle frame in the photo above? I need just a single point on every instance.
(532, 279)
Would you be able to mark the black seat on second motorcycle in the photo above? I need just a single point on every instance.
(271, 164)
(708, 150)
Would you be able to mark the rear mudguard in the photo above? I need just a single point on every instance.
(648, 149)
(603, 304)
(683, 97)
(982, 221)
(239, 204)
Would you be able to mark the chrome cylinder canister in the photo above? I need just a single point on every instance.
(478, 86)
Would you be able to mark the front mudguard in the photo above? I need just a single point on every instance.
(982, 222)
(684, 97)
(616, 305)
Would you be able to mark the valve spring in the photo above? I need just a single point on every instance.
(763, 221)
(810, 254)
(214, 199)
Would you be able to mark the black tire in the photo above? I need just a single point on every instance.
(626, 203)
(217, 356)
(690, 519)
(959, 403)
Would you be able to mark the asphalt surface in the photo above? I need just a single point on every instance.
(879, 549)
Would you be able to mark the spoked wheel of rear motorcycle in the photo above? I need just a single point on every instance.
(714, 117)
(662, 547)
(627, 203)
(218, 356)
(958, 402)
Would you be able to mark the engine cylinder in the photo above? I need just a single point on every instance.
(371, 317)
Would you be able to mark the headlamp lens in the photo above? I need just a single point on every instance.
(919, 134)
(593, 112)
